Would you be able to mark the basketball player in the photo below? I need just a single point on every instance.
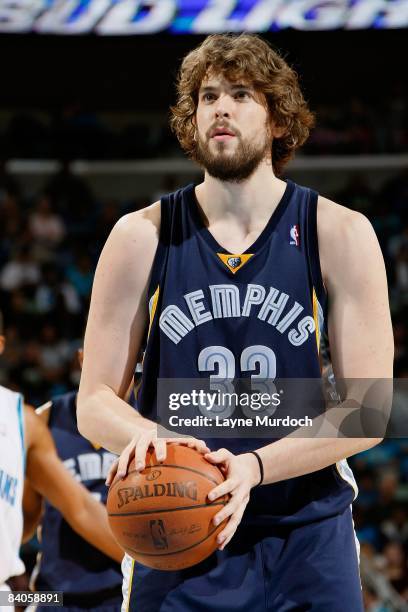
(240, 275)
(27, 449)
(11, 485)
(68, 563)
(25, 441)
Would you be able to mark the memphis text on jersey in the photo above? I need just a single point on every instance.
(275, 308)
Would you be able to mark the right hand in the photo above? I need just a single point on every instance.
(137, 449)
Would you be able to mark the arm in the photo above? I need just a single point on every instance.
(359, 322)
(33, 503)
(48, 477)
(33, 509)
(117, 320)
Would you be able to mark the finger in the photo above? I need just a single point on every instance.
(199, 445)
(141, 449)
(225, 536)
(160, 447)
(222, 454)
(124, 460)
(182, 441)
(112, 471)
(234, 520)
(223, 489)
(227, 510)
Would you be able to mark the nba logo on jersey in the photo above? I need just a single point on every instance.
(294, 235)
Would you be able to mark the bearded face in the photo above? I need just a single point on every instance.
(233, 133)
(231, 160)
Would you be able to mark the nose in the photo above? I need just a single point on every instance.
(222, 107)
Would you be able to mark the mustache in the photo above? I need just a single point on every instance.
(223, 125)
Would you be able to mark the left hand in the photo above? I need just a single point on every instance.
(241, 474)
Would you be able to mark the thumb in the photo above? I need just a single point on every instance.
(222, 454)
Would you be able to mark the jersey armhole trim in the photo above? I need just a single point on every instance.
(152, 310)
(316, 319)
(346, 474)
(20, 413)
(159, 257)
(313, 249)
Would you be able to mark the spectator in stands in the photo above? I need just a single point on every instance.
(400, 337)
(55, 353)
(46, 226)
(395, 527)
(28, 374)
(373, 603)
(73, 200)
(80, 274)
(395, 566)
(20, 271)
(54, 295)
(12, 224)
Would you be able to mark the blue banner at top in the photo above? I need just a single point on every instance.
(132, 17)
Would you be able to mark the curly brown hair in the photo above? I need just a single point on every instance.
(244, 57)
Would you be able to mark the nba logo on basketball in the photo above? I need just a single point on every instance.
(158, 534)
(294, 235)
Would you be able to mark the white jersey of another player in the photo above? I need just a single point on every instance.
(12, 459)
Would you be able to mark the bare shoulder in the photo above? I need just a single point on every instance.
(346, 239)
(131, 247)
(334, 219)
(32, 424)
(140, 226)
(38, 438)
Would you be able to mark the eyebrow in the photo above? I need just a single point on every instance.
(241, 86)
(208, 88)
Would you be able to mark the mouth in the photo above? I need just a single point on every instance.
(222, 134)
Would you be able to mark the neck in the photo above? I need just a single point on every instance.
(249, 201)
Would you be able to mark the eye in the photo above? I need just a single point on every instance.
(242, 94)
(208, 97)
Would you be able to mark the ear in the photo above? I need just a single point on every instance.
(80, 355)
(194, 120)
(277, 131)
(2, 344)
(194, 124)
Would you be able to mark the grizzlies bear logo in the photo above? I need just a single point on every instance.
(234, 262)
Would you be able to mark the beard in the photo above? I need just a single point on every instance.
(232, 167)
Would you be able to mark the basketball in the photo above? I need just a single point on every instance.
(161, 516)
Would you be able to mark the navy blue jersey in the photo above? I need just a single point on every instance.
(263, 311)
(68, 563)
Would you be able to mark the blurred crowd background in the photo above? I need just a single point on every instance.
(52, 230)
(49, 247)
(77, 131)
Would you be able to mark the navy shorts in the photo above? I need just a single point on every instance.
(263, 568)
